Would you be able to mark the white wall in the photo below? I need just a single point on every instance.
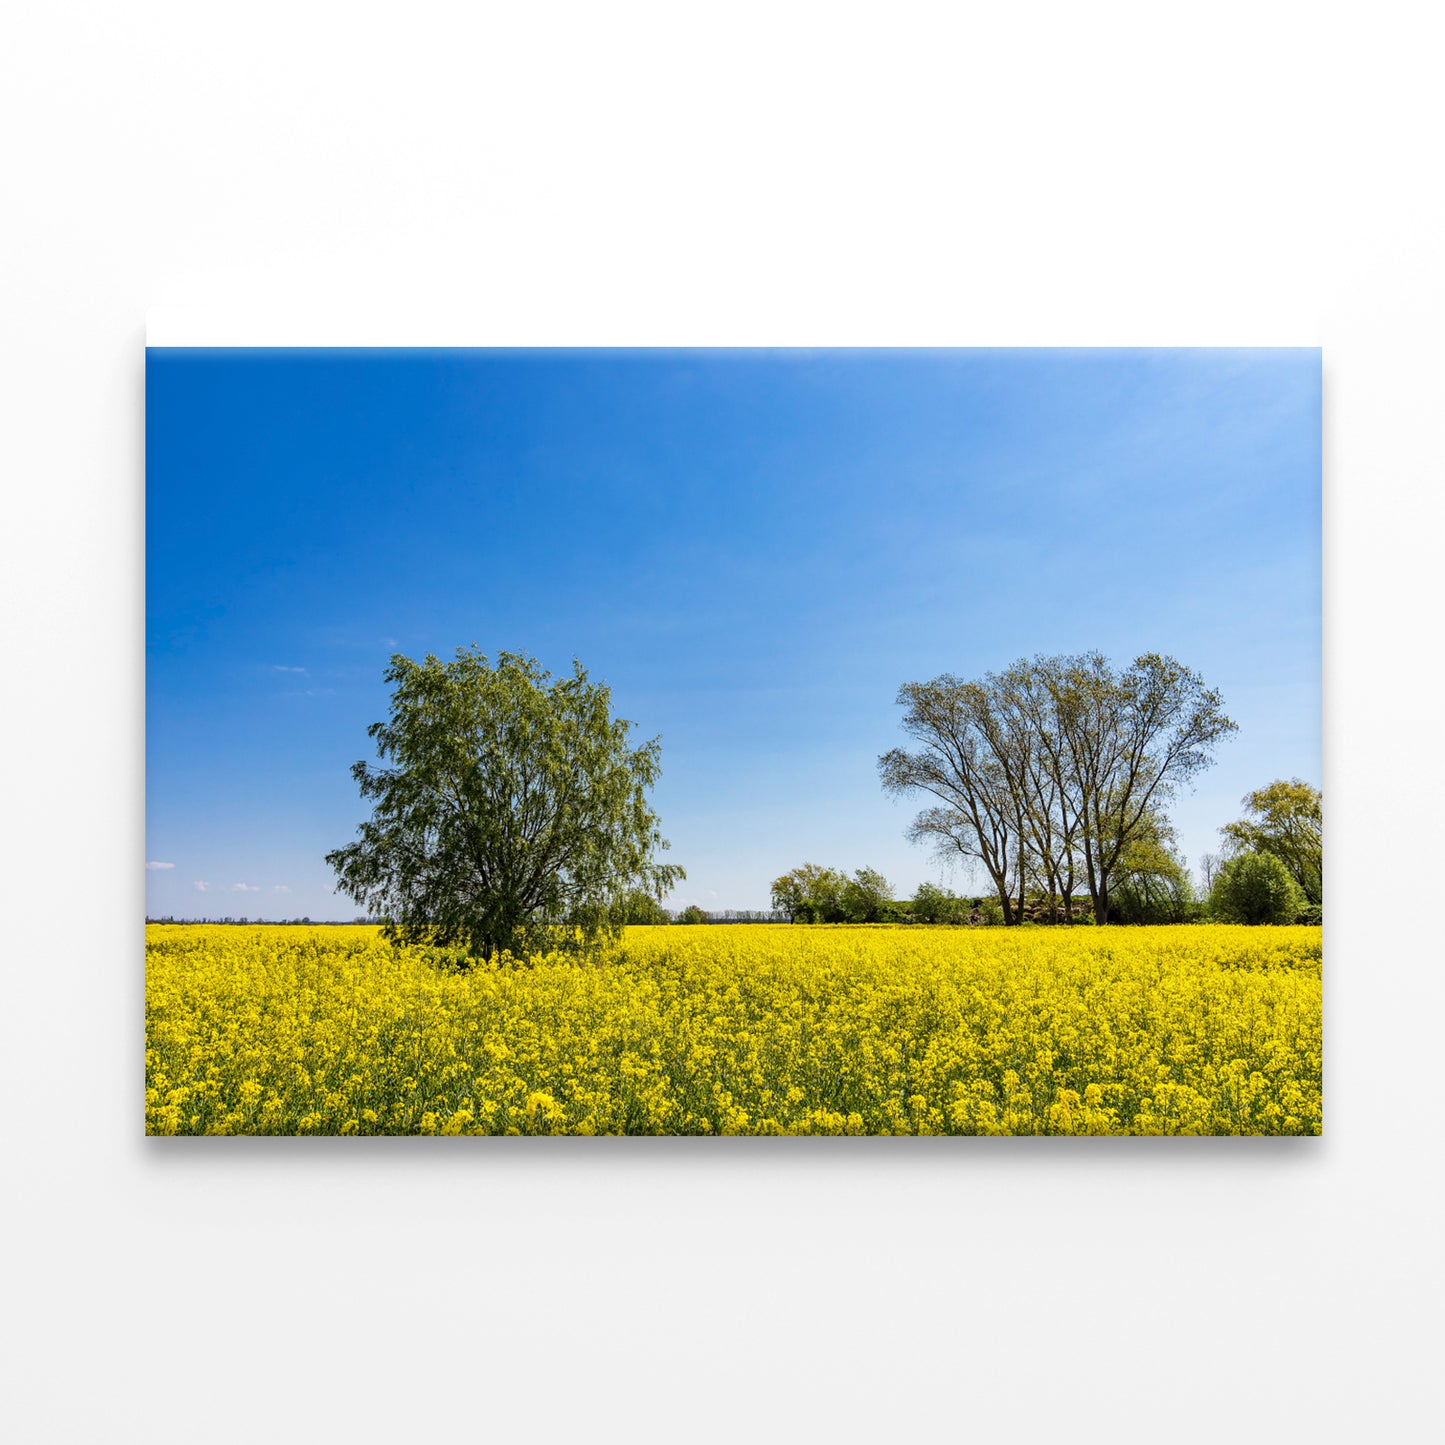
(1124, 174)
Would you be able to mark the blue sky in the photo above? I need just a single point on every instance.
(754, 549)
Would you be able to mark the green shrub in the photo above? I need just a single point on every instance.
(864, 896)
(1256, 888)
(642, 907)
(991, 910)
(932, 904)
(1152, 884)
(811, 894)
(691, 914)
(1132, 904)
(1312, 913)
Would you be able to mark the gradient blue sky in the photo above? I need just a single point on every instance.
(753, 548)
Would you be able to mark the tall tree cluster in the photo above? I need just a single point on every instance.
(1051, 773)
(811, 894)
(1287, 820)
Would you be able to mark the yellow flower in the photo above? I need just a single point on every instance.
(715, 1029)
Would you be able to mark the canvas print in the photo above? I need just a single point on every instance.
(733, 742)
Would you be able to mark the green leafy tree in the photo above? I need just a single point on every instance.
(865, 896)
(1153, 883)
(1256, 888)
(511, 813)
(1287, 820)
(989, 911)
(1053, 769)
(692, 914)
(932, 904)
(966, 765)
(1130, 740)
(640, 907)
(810, 894)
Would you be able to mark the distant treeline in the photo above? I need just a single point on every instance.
(274, 922)
(656, 915)
(726, 915)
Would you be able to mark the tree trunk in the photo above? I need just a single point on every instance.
(1005, 898)
(1090, 876)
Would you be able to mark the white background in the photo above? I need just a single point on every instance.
(619, 174)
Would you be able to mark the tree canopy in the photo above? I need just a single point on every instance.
(865, 896)
(1256, 888)
(1287, 820)
(1153, 884)
(512, 813)
(1049, 772)
(811, 894)
(932, 904)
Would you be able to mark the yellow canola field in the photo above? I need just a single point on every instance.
(740, 1029)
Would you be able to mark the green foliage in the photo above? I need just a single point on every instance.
(691, 914)
(512, 815)
(1311, 913)
(810, 894)
(865, 896)
(641, 908)
(990, 910)
(932, 904)
(1053, 767)
(1153, 885)
(1141, 902)
(1287, 820)
(1256, 888)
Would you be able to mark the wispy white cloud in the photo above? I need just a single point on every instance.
(388, 642)
(280, 888)
(245, 888)
(156, 867)
(201, 887)
(280, 668)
